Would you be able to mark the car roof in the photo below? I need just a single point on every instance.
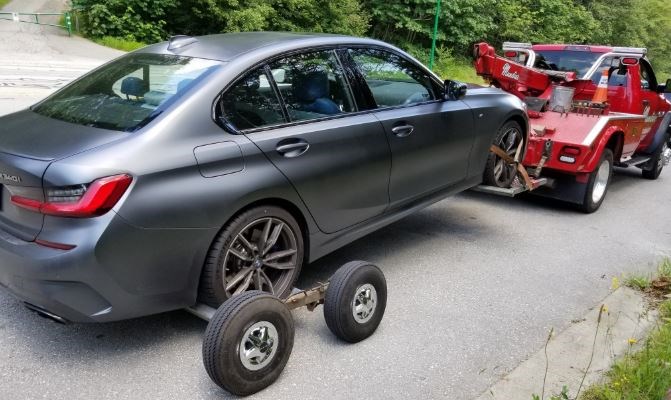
(229, 46)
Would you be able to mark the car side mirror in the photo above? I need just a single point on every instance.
(454, 90)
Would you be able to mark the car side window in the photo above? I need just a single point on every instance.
(312, 85)
(617, 73)
(648, 80)
(252, 102)
(393, 80)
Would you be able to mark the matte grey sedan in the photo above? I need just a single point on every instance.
(198, 168)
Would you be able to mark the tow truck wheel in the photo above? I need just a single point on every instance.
(355, 301)
(498, 172)
(248, 342)
(653, 168)
(598, 183)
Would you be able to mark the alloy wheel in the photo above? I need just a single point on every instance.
(262, 256)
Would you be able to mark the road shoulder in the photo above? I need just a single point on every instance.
(625, 316)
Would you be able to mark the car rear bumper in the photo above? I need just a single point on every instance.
(116, 272)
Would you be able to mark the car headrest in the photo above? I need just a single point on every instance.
(134, 86)
(311, 86)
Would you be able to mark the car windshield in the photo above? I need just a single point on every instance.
(566, 60)
(127, 93)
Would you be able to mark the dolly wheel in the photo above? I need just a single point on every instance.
(248, 342)
(355, 301)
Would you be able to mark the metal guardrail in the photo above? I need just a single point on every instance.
(34, 18)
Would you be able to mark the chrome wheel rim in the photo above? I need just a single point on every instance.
(503, 171)
(262, 256)
(662, 157)
(258, 345)
(601, 181)
(364, 303)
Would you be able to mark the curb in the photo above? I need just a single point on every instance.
(568, 353)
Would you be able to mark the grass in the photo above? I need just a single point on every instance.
(643, 375)
(4, 3)
(646, 374)
(119, 43)
(458, 69)
(643, 282)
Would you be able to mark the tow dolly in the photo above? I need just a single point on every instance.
(249, 338)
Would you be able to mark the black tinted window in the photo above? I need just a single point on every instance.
(566, 60)
(392, 79)
(312, 85)
(127, 93)
(252, 103)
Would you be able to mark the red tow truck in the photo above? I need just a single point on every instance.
(590, 108)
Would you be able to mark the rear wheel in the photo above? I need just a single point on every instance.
(261, 249)
(498, 172)
(654, 167)
(598, 183)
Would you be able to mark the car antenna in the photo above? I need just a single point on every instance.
(179, 41)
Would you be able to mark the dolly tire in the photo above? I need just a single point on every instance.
(355, 301)
(248, 342)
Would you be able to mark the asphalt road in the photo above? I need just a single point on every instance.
(475, 283)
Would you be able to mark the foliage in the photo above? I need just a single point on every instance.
(119, 43)
(154, 20)
(406, 23)
(139, 20)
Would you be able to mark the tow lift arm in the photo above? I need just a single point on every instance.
(514, 78)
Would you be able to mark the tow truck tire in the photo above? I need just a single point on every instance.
(355, 301)
(599, 181)
(653, 168)
(248, 342)
(497, 172)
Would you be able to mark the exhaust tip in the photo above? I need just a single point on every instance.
(46, 314)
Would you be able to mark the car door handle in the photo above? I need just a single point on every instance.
(292, 148)
(403, 130)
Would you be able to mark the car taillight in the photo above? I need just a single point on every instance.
(80, 201)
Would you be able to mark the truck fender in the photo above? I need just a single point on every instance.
(601, 144)
(660, 135)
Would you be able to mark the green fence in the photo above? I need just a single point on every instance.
(34, 18)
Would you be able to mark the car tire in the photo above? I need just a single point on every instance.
(598, 183)
(497, 172)
(653, 168)
(355, 283)
(224, 265)
(248, 342)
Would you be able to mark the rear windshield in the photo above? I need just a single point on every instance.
(127, 93)
(566, 60)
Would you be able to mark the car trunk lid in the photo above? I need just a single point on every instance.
(29, 142)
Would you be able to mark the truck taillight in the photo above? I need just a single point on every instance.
(80, 201)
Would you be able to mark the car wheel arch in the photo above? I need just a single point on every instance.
(284, 204)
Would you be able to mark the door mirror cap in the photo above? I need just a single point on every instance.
(455, 90)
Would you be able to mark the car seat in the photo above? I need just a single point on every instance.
(311, 91)
(134, 86)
